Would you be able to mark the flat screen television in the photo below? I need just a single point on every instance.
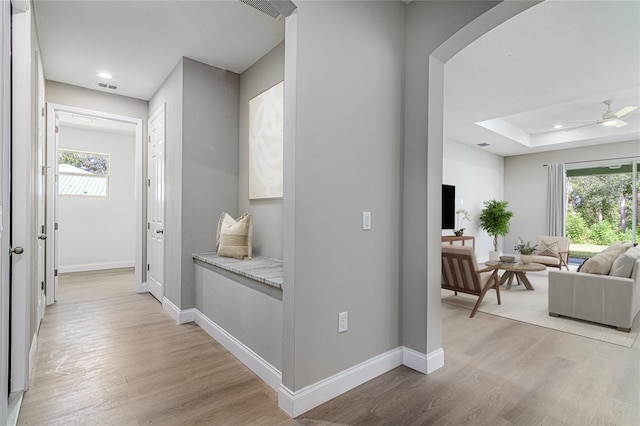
(448, 206)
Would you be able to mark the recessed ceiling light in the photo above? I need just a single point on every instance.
(105, 75)
(558, 126)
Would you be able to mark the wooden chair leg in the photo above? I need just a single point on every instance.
(477, 305)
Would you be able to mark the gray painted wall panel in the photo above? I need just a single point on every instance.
(209, 160)
(266, 215)
(251, 316)
(348, 159)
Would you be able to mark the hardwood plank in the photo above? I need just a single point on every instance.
(109, 356)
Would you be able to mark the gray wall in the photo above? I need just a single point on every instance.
(428, 25)
(266, 215)
(252, 316)
(526, 184)
(201, 164)
(171, 94)
(209, 160)
(348, 159)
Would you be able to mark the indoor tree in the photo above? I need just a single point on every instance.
(495, 218)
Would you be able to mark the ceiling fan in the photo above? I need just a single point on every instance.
(610, 118)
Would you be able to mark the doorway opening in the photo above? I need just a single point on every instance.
(95, 206)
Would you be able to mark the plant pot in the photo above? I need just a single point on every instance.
(495, 255)
(458, 233)
(525, 259)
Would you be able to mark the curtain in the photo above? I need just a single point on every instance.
(556, 199)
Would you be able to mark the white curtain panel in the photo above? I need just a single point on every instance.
(556, 199)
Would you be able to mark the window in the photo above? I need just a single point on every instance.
(84, 174)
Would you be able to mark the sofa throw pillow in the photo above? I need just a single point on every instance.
(601, 263)
(623, 266)
(545, 248)
(234, 236)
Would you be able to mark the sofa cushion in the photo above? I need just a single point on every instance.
(623, 265)
(602, 262)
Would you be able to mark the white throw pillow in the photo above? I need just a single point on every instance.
(601, 263)
(623, 266)
(234, 236)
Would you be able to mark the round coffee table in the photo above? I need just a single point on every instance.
(519, 270)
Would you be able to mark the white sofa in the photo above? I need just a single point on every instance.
(603, 299)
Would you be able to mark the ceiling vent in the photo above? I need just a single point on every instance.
(265, 7)
(483, 144)
(107, 86)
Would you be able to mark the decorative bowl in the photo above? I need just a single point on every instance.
(507, 259)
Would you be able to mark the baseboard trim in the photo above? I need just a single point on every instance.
(32, 355)
(268, 373)
(423, 363)
(171, 309)
(299, 402)
(142, 288)
(96, 266)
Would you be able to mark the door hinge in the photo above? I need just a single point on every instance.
(42, 285)
(149, 139)
(147, 266)
(55, 226)
(42, 229)
(43, 111)
(55, 272)
(148, 225)
(148, 182)
(57, 129)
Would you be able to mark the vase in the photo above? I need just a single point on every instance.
(525, 259)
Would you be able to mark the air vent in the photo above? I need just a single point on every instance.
(107, 86)
(265, 7)
(483, 144)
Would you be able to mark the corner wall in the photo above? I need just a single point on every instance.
(266, 215)
(526, 184)
(347, 158)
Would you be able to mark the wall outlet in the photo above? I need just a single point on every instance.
(343, 322)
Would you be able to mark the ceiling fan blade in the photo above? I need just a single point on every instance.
(624, 111)
(620, 123)
(568, 129)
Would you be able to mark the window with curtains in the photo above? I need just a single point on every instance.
(602, 207)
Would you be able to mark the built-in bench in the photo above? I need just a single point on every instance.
(260, 268)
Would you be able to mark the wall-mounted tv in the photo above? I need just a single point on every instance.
(448, 206)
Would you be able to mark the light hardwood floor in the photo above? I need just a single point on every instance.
(108, 356)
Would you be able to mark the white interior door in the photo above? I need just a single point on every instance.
(40, 192)
(51, 264)
(155, 205)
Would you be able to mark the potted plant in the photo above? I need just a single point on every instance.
(525, 250)
(494, 219)
(459, 221)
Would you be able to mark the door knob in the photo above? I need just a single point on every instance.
(17, 250)
(160, 231)
(43, 237)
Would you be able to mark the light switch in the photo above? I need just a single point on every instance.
(366, 221)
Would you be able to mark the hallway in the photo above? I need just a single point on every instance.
(109, 356)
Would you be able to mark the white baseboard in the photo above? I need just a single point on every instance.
(96, 266)
(299, 402)
(172, 310)
(32, 355)
(142, 288)
(268, 373)
(423, 363)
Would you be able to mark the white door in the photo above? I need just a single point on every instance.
(155, 206)
(40, 193)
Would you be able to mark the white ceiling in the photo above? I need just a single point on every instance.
(140, 42)
(80, 121)
(554, 63)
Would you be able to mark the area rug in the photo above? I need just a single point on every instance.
(528, 306)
